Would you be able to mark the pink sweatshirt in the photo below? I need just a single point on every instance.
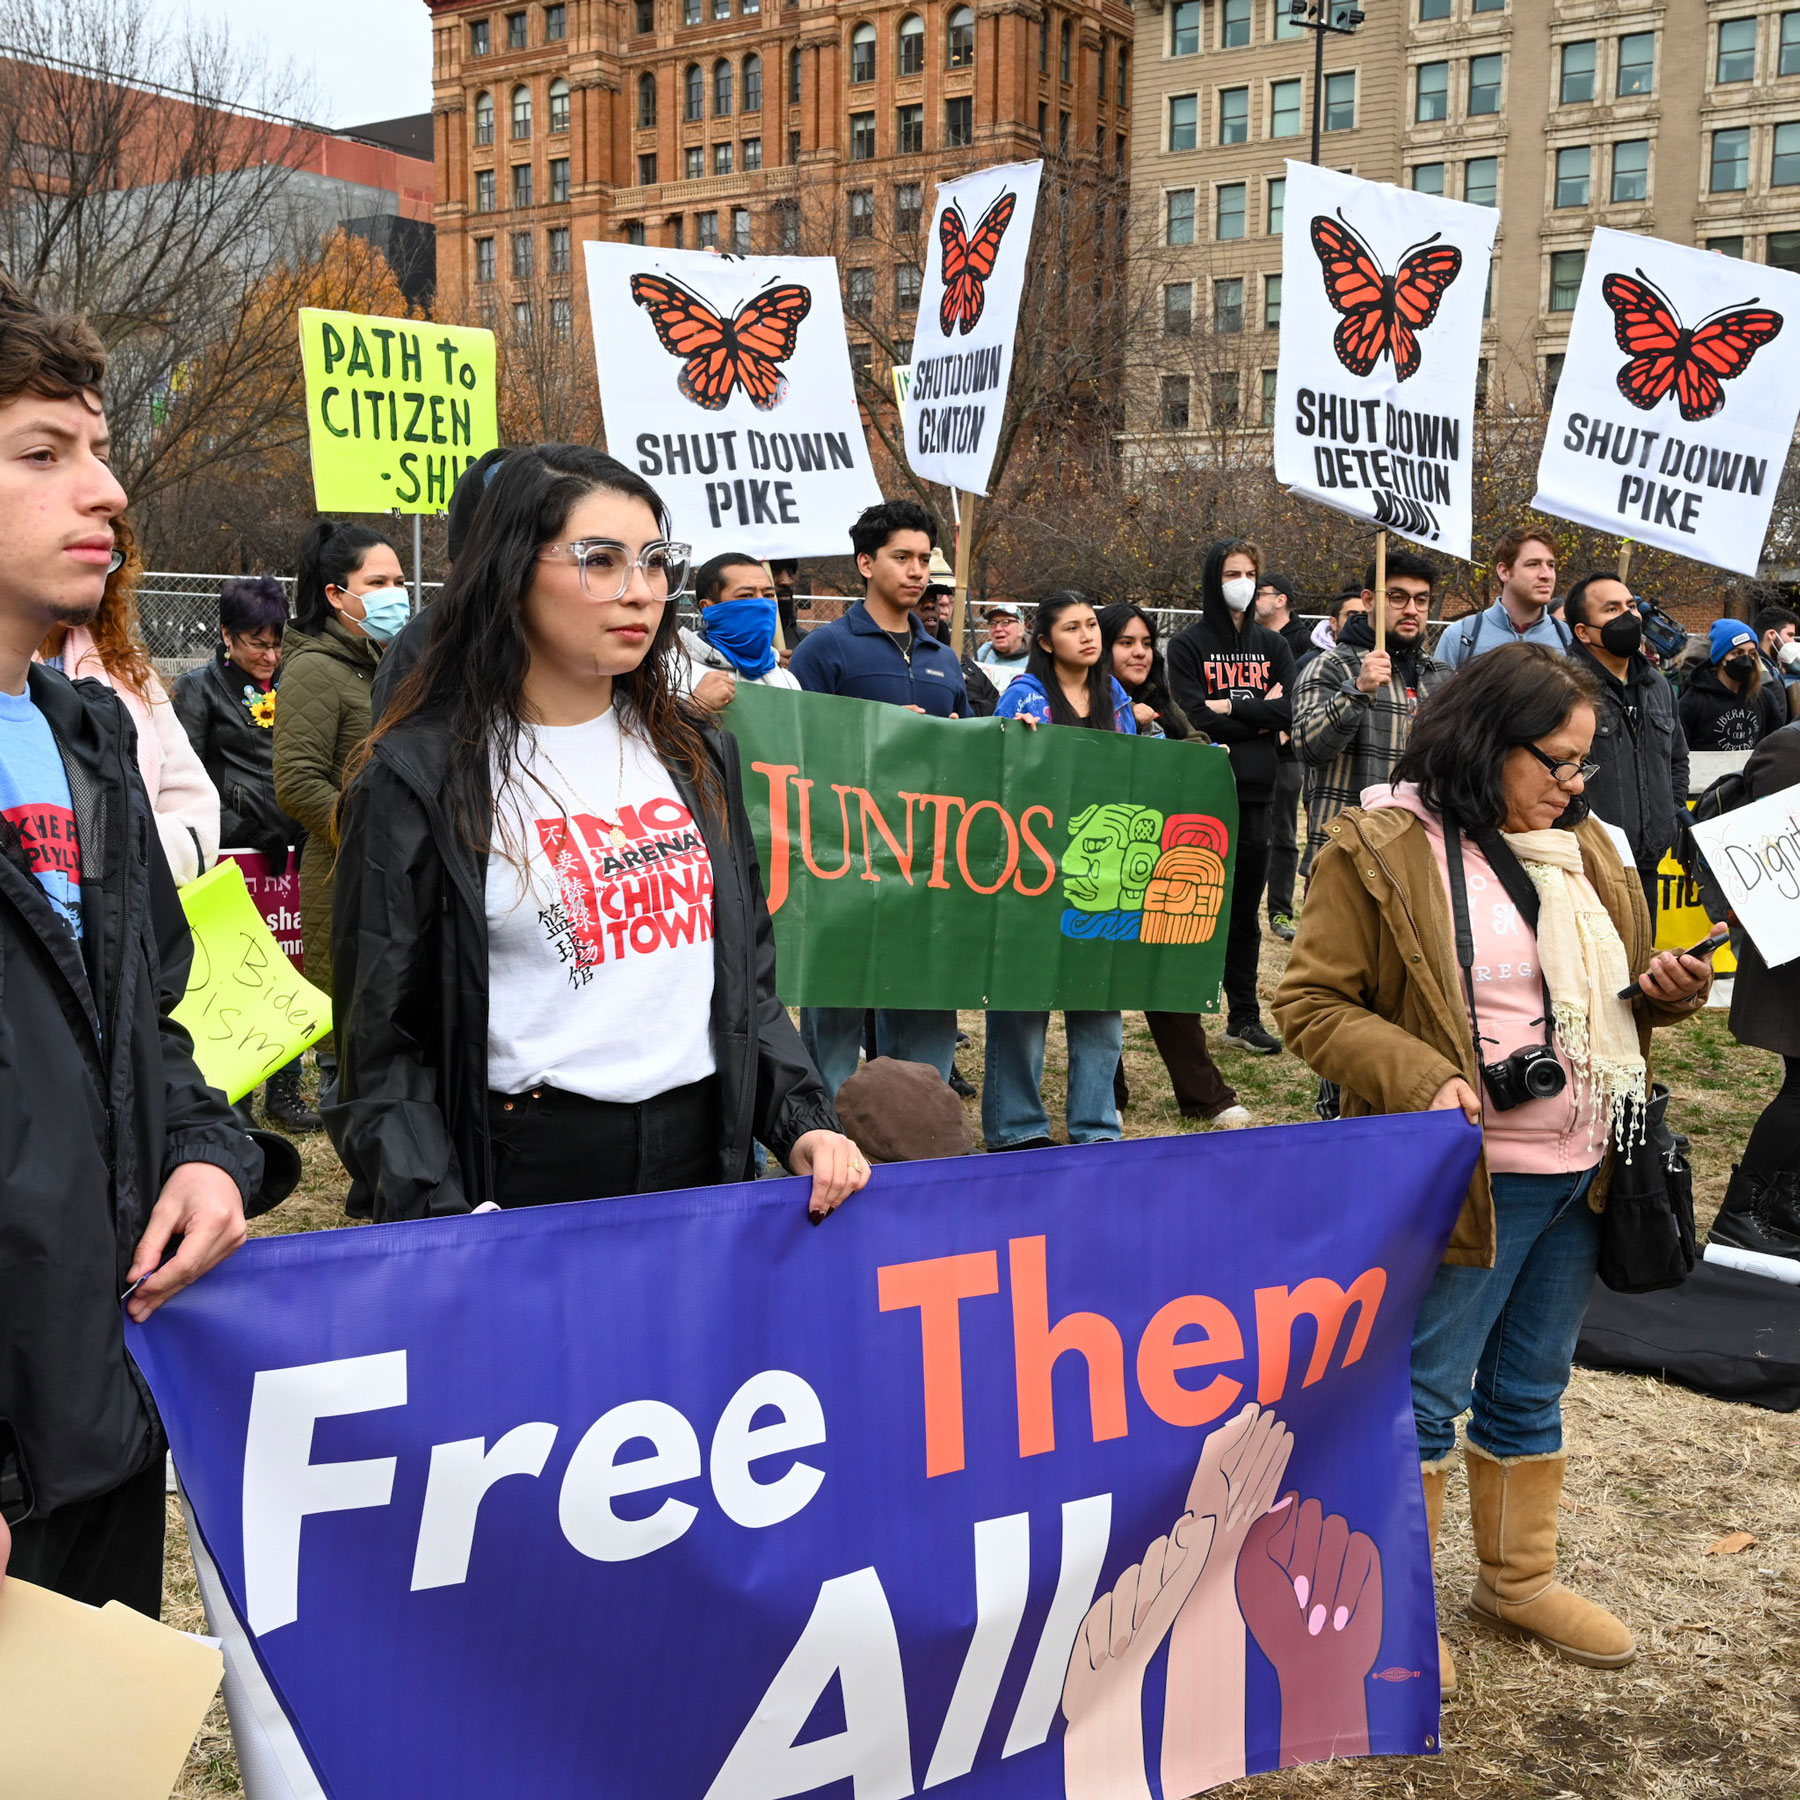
(1542, 1137)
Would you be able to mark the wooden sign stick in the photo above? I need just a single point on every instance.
(965, 538)
(1625, 560)
(1381, 590)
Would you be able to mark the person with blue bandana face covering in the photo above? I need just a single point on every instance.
(736, 636)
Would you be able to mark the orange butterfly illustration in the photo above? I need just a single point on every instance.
(969, 261)
(743, 351)
(1383, 314)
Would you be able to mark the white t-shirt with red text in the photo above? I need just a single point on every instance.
(600, 955)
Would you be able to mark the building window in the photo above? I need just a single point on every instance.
(559, 106)
(1637, 63)
(862, 360)
(1234, 115)
(1481, 181)
(1484, 85)
(1573, 169)
(1577, 81)
(1225, 408)
(909, 127)
(1043, 123)
(1731, 160)
(740, 230)
(1553, 369)
(1784, 251)
(1102, 81)
(862, 212)
(521, 112)
(1428, 178)
(862, 136)
(721, 9)
(787, 225)
(1228, 221)
(559, 247)
(1268, 398)
(1178, 308)
(517, 37)
(909, 205)
(484, 118)
(1284, 109)
(484, 259)
(646, 168)
(1481, 384)
(1789, 62)
(912, 45)
(1285, 25)
(1228, 304)
(959, 121)
(752, 84)
(1062, 133)
(1065, 50)
(1184, 121)
(1044, 43)
(1277, 201)
(1122, 75)
(484, 190)
(1631, 171)
(1271, 303)
(1175, 402)
(794, 76)
(1340, 102)
(706, 231)
(1432, 10)
(721, 159)
(1431, 92)
(1488, 6)
(859, 293)
(1785, 170)
(1565, 278)
(1234, 24)
(1726, 246)
(690, 15)
(721, 89)
(793, 149)
(559, 180)
(1181, 216)
(752, 158)
(907, 282)
(1737, 51)
(521, 317)
(677, 231)
(479, 42)
(562, 311)
(693, 94)
(646, 102)
(694, 161)
(646, 18)
(521, 255)
(962, 38)
(521, 184)
(862, 53)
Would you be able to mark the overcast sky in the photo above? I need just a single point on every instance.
(365, 59)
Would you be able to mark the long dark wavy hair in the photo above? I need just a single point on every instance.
(1043, 665)
(471, 678)
(1155, 692)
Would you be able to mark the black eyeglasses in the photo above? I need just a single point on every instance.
(1562, 773)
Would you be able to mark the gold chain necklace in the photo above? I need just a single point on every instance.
(617, 833)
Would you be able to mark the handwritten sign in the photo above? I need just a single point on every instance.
(1754, 853)
(277, 898)
(247, 1009)
(396, 409)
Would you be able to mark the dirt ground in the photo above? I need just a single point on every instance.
(1711, 1708)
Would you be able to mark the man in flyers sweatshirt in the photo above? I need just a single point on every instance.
(1234, 679)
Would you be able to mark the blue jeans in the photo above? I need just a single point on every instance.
(833, 1038)
(1012, 1083)
(1502, 1339)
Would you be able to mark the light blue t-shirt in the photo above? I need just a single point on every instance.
(36, 810)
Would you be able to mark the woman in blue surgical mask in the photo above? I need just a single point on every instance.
(349, 600)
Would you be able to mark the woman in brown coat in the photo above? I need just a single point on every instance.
(1503, 1004)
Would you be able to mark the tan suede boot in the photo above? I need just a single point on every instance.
(1512, 1507)
(1437, 1477)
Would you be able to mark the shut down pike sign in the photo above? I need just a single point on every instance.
(985, 1481)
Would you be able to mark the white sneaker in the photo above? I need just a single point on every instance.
(1233, 1118)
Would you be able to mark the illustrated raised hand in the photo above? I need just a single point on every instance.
(1238, 1476)
(1310, 1591)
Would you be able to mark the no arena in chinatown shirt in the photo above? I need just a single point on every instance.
(600, 957)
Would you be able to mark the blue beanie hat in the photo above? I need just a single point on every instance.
(1727, 633)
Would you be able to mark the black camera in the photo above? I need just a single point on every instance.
(1530, 1073)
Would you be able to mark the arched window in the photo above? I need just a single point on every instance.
(694, 93)
(521, 111)
(721, 89)
(752, 84)
(962, 37)
(912, 45)
(559, 105)
(1062, 64)
(484, 118)
(646, 100)
(794, 66)
(862, 53)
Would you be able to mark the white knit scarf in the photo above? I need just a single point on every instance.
(1585, 966)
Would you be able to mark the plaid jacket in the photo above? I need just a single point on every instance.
(1347, 740)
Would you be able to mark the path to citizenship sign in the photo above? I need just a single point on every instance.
(912, 861)
(1086, 1471)
(1676, 406)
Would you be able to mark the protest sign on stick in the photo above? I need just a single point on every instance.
(1754, 854)
(1676, 405)
(396, 409)
(726, 383)
(1381, 300)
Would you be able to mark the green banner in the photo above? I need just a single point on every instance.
(923, 862)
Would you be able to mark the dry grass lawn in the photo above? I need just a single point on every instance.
(1711, 1709)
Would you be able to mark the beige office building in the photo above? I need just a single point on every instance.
(1676, 118)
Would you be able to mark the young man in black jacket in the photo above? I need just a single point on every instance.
(1642, 783)
(115, 1148)
(1235, 680)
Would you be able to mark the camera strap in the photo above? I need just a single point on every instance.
(1511, 875)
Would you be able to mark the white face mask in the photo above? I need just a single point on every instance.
(1240, 590)
(1789, 655)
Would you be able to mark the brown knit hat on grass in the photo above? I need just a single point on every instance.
(902, 1112)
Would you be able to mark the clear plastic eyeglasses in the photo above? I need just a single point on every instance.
(605, 566)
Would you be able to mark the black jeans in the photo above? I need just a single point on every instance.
(550, 1146)
(1284, 837)
(1243, 938)
(106, 1548)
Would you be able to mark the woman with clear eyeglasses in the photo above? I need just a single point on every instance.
(554, 964)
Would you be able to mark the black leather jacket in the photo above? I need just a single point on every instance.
(239, 757)
(410, 978)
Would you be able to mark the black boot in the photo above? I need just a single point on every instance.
(282, 1104)
(1760, 1213)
